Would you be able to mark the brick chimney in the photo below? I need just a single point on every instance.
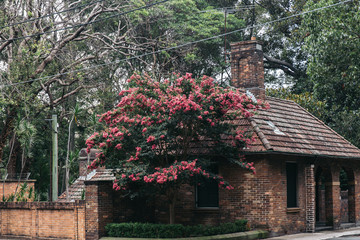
(247, 67)
(85, 159)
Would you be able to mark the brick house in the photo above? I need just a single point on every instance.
(298, 160)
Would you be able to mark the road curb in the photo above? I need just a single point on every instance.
(250, 235)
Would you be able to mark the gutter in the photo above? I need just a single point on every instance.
(272, 152)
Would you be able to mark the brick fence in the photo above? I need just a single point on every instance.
(9, 186)
(29, 220)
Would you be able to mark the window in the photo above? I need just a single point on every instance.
(207, 195)
(291, 184)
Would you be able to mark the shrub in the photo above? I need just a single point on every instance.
(149, 230)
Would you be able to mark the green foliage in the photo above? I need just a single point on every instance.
(282, 40)
(347, 123)
(178, 22)
(334, 65)
(148, 230)
(23, 194)
(344, 180)
(334, 47)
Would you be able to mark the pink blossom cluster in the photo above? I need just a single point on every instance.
(150, 105)
(172, 174)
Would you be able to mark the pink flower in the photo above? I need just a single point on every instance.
(150, 138)
(153, 146)
(144, 130)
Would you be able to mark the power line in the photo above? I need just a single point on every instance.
(179, 46)
(49, 15)
(227, 9)
(85, 24)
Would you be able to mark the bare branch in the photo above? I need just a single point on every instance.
(73, 92)
(5, 44)
(285, 66)
(65, 41)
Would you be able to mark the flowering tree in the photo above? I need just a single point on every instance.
(164, 134)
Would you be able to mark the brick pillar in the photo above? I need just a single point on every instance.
(357, 195)
(310, 198)
(98, 208)
(79, 219)
(333, 203)
(247, 67)
(336, 204)
(351, 201)
(34, 221)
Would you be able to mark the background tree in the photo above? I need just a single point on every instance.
(44, 46)
(164, 134)
(318, 55)
(285, 62)
(334, 65)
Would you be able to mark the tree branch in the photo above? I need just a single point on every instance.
(274, 63)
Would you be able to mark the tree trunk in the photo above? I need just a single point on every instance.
(172, 199)
(172, 213)
(11, 166)
(7, 130)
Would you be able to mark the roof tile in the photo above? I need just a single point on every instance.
(294, 130)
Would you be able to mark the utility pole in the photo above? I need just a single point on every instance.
(54, 172)
(252, 20)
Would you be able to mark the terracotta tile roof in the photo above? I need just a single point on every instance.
(287, 127)
(103, 175)
(76, 190)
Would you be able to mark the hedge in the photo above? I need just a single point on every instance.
(150, 230)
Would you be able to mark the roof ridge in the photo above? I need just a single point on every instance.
(280, 99)
(261, 135)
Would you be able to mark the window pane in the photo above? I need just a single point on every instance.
(208, 194)
(291, 179)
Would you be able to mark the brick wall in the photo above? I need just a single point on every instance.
(43, 220)
(262, 198)
(8, 187)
